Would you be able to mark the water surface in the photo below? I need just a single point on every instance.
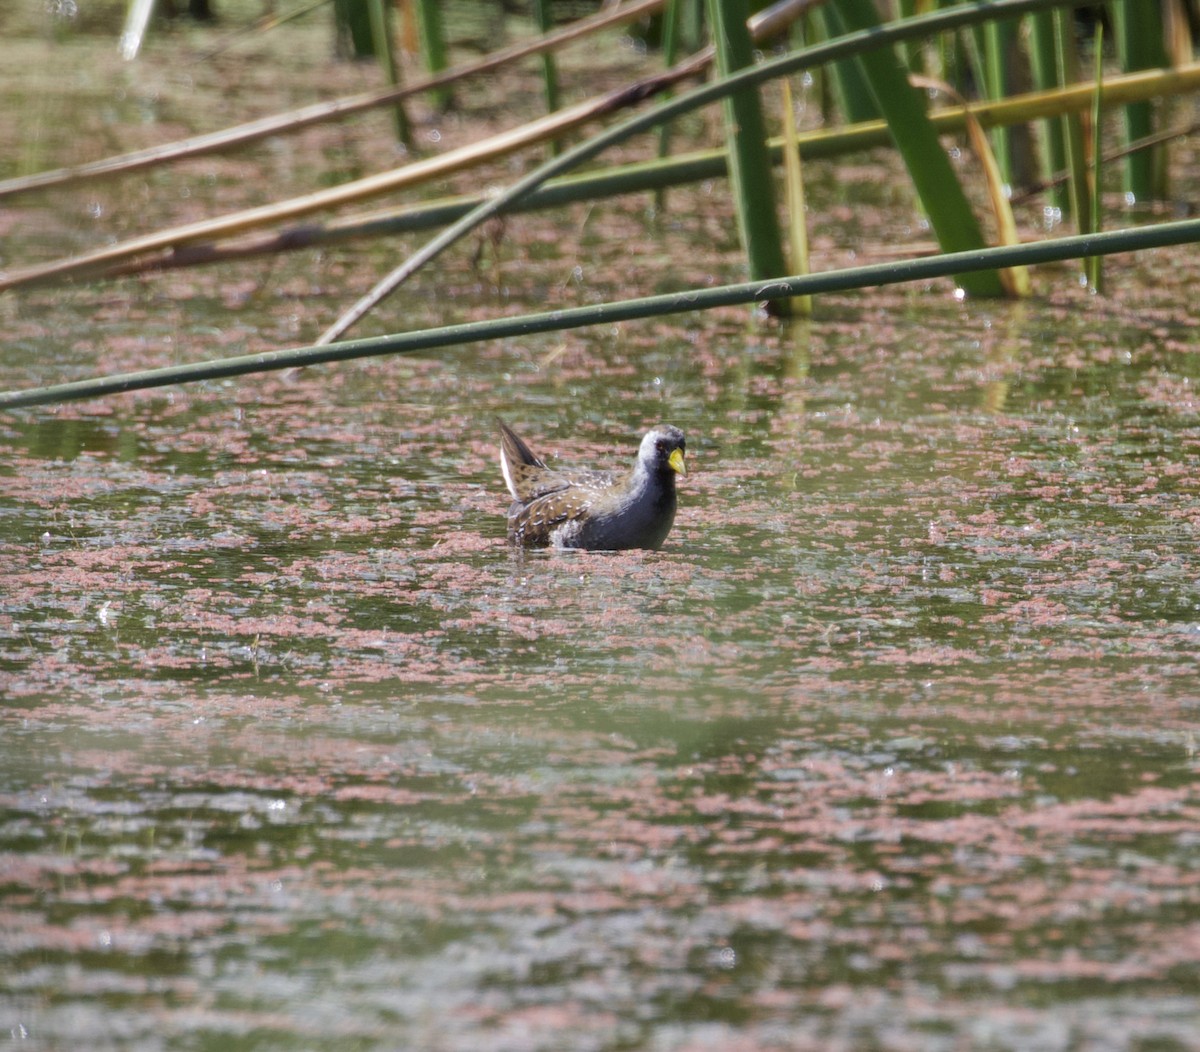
(892, 746)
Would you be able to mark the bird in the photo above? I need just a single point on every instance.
(593, 510)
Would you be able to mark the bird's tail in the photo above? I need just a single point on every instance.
(515, 457)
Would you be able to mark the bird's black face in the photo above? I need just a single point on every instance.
(665, 446)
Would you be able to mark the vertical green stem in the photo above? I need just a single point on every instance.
(541, 13)
(1139, 35)
(937, 186)
(851, 87)
(794, 181)
(746, 134)
(1043, 56)
(691, 24)
(1094, 265)
(381, 32)
(998, 38)
(1068, 64)
(989, 48)
(433, 43)
(353, 20)
(910, 49)
(670, 49)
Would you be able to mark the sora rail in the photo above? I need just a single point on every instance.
(594, 510)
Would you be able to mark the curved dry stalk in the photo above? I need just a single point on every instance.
(873, 35)
(1115, 154)
(765, 24)
(263, 25)
(294, 120)
(649, 175)
(548, 127)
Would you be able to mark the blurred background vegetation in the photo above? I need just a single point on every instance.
(984, 103)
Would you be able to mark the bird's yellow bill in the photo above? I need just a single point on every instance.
(676, 461)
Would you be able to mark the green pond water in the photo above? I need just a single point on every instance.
(893, 746)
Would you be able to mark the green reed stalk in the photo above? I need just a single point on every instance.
(625, 179)
(1068, 64)
(1138, 28)
(1043, 58)
(433, 44)
(670, 49)
(910, 49)
(849, 82)
(1094, 265)
(1160, 235)
(353, 20)
(999, 37)
(794, 183)
(966, 14)
(746, 136)
(385, 53)
(658, 174)
(937, 186)
(541, 14)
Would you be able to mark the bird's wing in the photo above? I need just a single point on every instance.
(572, 499)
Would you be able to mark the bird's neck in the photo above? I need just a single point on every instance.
(644, 480)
